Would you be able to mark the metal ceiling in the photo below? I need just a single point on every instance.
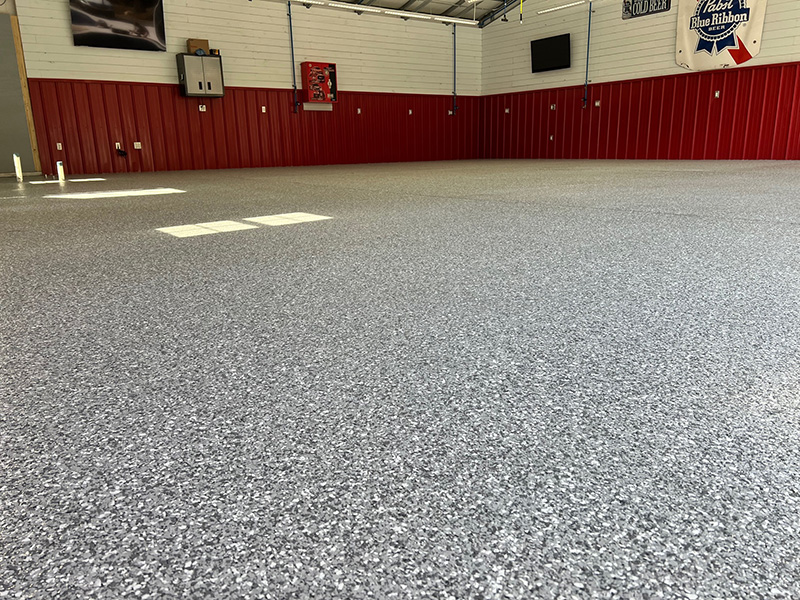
(461, 9)
(482, 10)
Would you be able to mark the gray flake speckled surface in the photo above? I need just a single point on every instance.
(488, 379)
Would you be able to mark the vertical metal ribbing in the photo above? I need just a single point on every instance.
(291, 44)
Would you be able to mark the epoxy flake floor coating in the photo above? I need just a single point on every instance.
(498, 379)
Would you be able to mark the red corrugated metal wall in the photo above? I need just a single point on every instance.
(88, 118)
(757, 116)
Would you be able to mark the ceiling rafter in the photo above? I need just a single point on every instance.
(449, 12)
(410, 3)
(497, 12)
(471, 9)
(455, 9)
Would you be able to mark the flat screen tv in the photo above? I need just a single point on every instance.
(549, 54)
(130, 24)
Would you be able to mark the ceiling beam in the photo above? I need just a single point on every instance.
(408, 4)
(449, 12)
(468, 11)
(497, 13)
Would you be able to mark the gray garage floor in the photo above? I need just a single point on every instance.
(496, 379)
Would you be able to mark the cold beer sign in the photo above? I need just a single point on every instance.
(641, 8)
(715, 34)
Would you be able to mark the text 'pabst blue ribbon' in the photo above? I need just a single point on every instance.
(716, 21)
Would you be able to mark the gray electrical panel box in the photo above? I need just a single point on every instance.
(201, 75)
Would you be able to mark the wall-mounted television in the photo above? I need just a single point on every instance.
(130, 24)
(549, 54)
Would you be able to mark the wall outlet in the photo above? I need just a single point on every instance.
(263, 109)
(552, 138)
(118, 146)
(202, 108)
(508, 111)
(450, 112)
(411, 112)
(716, 94)
(358, 111)
(137, 145)
(59, 146)
(552, 107)
(597, 103)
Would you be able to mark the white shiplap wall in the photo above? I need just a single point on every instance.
(373, 53)
(620, 50)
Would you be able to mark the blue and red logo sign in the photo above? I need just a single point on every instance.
(716, 22)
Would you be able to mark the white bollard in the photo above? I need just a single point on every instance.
(60, 167)
(18, 167)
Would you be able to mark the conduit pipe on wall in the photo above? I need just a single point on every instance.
(588, 45)
(291, 44)
(455, 96)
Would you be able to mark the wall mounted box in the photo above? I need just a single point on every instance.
(201, 76)
(195, 44)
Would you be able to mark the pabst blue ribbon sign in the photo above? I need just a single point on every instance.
(714, 34)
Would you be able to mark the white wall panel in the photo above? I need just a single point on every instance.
(620, 50)
(373, 53)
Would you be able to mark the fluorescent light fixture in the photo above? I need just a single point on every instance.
(555, 8)
(312, 2)
(406, 15)
(454, 20)
(356, 7)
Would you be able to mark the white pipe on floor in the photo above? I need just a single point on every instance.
(18, 167)
(60, 167)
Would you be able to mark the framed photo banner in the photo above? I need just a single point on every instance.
(126, 24)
